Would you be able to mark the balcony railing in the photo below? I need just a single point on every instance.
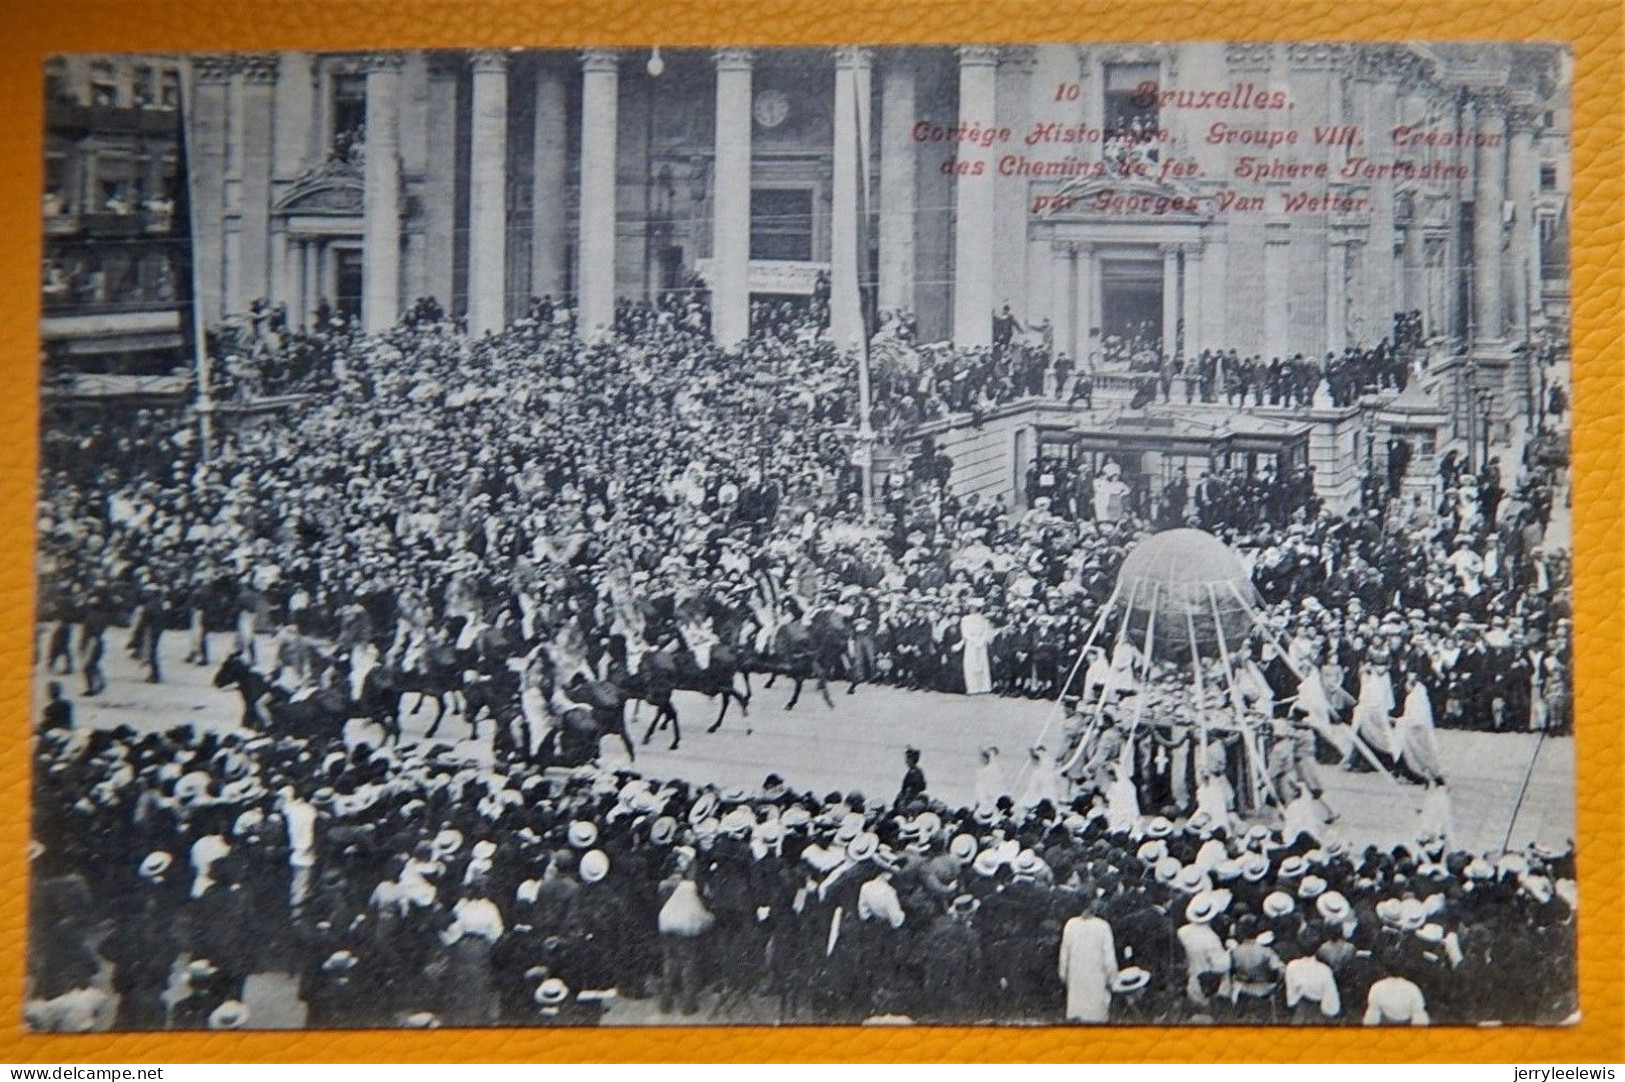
(68, 118)
(109, 224)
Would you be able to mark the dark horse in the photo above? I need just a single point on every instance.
(661, 672)
(267, 707)
(802, 651)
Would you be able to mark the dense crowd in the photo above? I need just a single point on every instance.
(415, 888)
(527, 504)
(446, 487)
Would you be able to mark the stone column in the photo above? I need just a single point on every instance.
(1170, 297)
(898, 166)
(207, 120)
(487, 193)
(1489, 191)
(973, 200)
(1062, 335)
(595, 245)
(1522, 182)
(730, 214)
(1337, 261)
(313, 280)
(1193, 301)
(846, 261)
(1086, 313)
(381, 198)
(547, 199)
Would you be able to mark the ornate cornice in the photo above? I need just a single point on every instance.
(1320, 55)
(734, 59)
(600, 60)
(213, 67)
(488, 61)
(978, 55)
(854, 56)
(1249, 55)
(1020, 57)
(383, 61)
(258, 68)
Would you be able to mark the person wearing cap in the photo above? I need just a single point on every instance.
(684, 922)
(1255, 970)
(949, 955)
(913, 785)
(1088, 966)
(1207, 962)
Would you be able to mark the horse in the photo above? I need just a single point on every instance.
(268, 707)
(660, 672)
(606, 701)
(793, 654)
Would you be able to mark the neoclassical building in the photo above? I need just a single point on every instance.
(1285, 199)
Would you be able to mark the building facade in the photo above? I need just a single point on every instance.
(115, 290)
(948, 181)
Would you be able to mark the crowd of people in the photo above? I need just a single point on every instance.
(412, 887)
(563, 512)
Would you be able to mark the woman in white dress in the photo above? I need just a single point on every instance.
(1372, 710)
(1414, 731)
(975, 632)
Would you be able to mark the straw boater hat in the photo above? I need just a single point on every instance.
(795, 816)
(1388, 911)
(582, 834)
(1312, 886)
(1277, 904)
(986, 863)
(1333, 907)
(1193, 880)
(552, 992)
(1207, 905)
(704, 805)
(1159, 828)
(1028, 864)
(1411, 914)
(1152, 851)
(155, 864)
(1292, 868)
(862, 848)
(594, 866)
(663, 830)
(963, 848)
(1168, 869)
(1131, 979)
(447, 842)
(1254, 867)
(229, 1015)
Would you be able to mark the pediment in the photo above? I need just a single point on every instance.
(335, 188)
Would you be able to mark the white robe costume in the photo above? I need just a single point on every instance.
(1371, 711)
(976, 632)
(1088, 967)
(1414, 734)
(989, 783)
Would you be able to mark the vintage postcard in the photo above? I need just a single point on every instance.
(944, 535)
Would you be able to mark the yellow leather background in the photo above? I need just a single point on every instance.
(31, 29)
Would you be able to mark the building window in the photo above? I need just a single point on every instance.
(1554, 248)
(1423, 441)
(1548, 178)
(103, 84)
(56, 81)
(1131, 115)
(169, 94)
(143, 87)
(781, 223)
(349, 112)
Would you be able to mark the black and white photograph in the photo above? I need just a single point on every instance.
(984, 534)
